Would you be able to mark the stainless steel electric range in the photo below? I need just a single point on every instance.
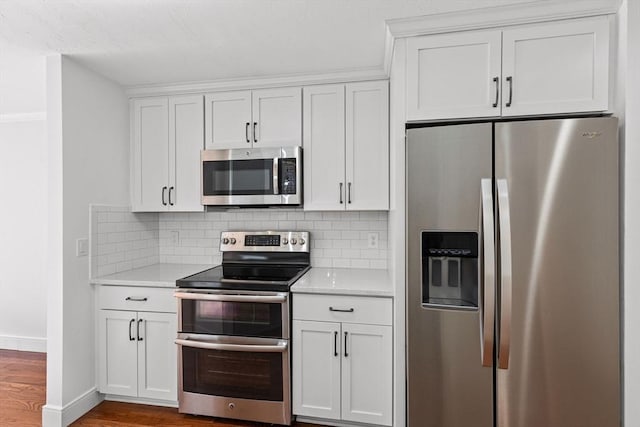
(233, 328)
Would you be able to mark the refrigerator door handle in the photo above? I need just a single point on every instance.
(487, 237)
(504, 223)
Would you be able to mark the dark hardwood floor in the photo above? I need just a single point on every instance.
(23, 393)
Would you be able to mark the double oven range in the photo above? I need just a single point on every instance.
(234, 328)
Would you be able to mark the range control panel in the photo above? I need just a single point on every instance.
(264, 241)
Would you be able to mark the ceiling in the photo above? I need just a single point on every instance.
(146, 42)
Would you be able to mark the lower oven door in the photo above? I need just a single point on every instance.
(244, 378)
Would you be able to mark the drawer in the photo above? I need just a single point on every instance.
(133, 298)
(367, 310)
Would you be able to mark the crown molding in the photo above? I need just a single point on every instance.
(23, 117)
(257, 83)
(497, 16)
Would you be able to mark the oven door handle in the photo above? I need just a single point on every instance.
(231, 298)
(281, 347)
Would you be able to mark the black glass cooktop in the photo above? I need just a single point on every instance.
(272, 277)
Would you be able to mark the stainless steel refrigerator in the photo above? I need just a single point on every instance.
(513, 274)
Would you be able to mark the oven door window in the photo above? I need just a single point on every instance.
(249, 319)
(237, 177)
(246, 375)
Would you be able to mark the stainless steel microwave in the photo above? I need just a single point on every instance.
(252, 177)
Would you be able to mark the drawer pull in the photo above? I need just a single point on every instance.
(342, 310)
(137, 299)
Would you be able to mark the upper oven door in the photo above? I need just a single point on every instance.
(246, 314)
(259, 176)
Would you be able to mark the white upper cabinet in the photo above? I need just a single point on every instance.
(324, 153)
(346, 146)
(546, 68)
(167, 136)
(150, 152)
(186, 125)
(555, 68)
(258, 118)
(277, 117)
(367, 145)
(453, 75)
(228, 119)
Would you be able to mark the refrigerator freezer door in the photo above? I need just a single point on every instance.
(446, 383)
(562, 178)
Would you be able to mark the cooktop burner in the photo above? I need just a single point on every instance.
(263, 261)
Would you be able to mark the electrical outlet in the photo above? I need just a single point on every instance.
(372, 240)
(82, 247)
(175, 237)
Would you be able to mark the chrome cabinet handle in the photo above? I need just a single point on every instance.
(341, 202)
(504, 232)
(278, 348)
(164, 202)
(342, 310)
(137, 299)
(349, 193)
(170, 191)
(255, 138)
(496, 81)
(138, 330)
(510, 81)
(246, 133)
(487, 309)
(335, 343)
(345, 344)
(131, 338)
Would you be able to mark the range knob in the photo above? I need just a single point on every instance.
(293, 241)
(302, 241)
(285, 241)
(225, 241)
(232, 240)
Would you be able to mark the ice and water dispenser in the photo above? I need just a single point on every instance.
(450, 269)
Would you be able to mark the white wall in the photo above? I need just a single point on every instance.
(23, 169)
(89, 136)
(631, 269)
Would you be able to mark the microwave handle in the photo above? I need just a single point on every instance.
(276, 181)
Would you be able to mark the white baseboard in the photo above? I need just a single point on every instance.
(9, 342)
(58, 416)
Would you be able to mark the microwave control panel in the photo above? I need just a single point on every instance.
(288, 181)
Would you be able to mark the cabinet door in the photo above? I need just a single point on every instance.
(556, 68)
(277, 117)
(367, 145)
(453, 75)
(367, 373)
(316, 369)
(149, 168)
(324, 137)
(228, 120)
(186, 139)
(157, 357)
(117, 353)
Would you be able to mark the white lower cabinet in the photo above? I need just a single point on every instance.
(342, 367)
(137, 356)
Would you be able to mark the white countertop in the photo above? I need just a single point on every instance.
(158, 275)
(345, 281)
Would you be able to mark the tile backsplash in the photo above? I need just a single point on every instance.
(338, 239)
(122, 240)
